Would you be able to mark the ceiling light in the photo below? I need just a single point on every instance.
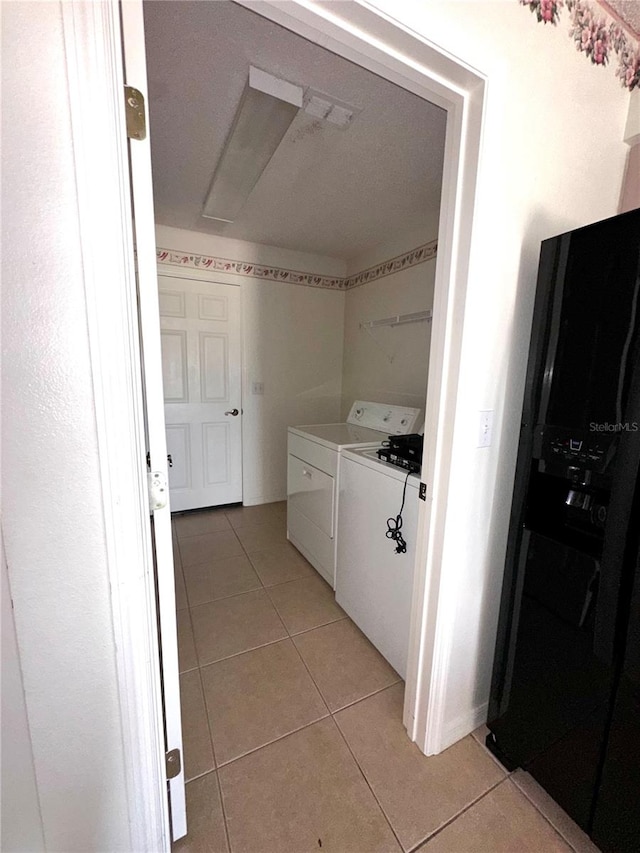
(326, 107)
(267, 108)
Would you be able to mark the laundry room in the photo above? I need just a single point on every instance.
(338, 235)
(296, 277)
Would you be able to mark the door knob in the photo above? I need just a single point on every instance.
(234, 412)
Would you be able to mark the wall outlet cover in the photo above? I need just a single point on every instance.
(485, 428)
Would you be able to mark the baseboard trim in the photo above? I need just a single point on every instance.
(264, 499)
(464, 724)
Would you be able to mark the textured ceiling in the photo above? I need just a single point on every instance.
(327, 191)
(628, 11)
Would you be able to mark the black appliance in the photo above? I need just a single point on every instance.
(565, 695)
(404, 451)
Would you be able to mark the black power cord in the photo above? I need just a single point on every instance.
(394, 525)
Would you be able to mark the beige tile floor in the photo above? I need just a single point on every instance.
(292, 721)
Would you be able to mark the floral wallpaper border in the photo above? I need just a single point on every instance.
(224, 265)
(596, 33)
(409, 259)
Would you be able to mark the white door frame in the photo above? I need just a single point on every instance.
(94, 62)
(367, 36)
(94, 58)
(135, 72)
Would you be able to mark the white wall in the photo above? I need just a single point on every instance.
(552, 159)
(292, 343)
(19, 807)
(52, 511)
(368, 372)
(630, 193)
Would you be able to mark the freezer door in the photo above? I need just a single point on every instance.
(616, 823)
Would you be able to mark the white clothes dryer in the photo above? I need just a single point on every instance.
(313, 471)
(374, 584)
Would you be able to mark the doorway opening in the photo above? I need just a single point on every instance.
(197, 260)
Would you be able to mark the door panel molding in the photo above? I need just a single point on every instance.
(172, 304)
(215, 472)
(175, 372)
(180, 472)
(222, 303)
(205, 364)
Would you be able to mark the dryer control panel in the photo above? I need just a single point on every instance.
(394, 420)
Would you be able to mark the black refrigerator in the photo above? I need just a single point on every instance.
(565, 695)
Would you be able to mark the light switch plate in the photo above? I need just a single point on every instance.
(485, 428)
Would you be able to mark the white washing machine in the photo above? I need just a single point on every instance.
(374, 584)
(313, 471)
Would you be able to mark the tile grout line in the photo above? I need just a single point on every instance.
(326, 716)
(367, 783)
(329, 715)
(317, 627)
(215, 761)
(266, 591)
(548, 820)
(457, 815)
(199, 668)
(255, 589)
(291, 640)
(368, 696)
(227, 597)
(488, 752)
(236, 595)
(245, 652)
(206, 706)
(509, 774)
(200, 776)
(337, 726)
(306, 630)
(224, 812)
(229, 529)
(211, 739)
(289, 637)
(275, 740)
(309, 673)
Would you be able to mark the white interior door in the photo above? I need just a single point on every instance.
(202, 371)
(149, 319)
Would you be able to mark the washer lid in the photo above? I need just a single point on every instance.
(337, 436)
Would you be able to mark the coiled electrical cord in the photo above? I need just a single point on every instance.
(394, 525)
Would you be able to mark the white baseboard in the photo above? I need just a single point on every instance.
(264, 499)
(464, 724)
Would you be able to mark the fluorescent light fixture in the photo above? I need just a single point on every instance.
(267, 108)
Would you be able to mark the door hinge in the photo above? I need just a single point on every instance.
(157, 490)
(134, 112)
(172, 763)
(422, 491)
